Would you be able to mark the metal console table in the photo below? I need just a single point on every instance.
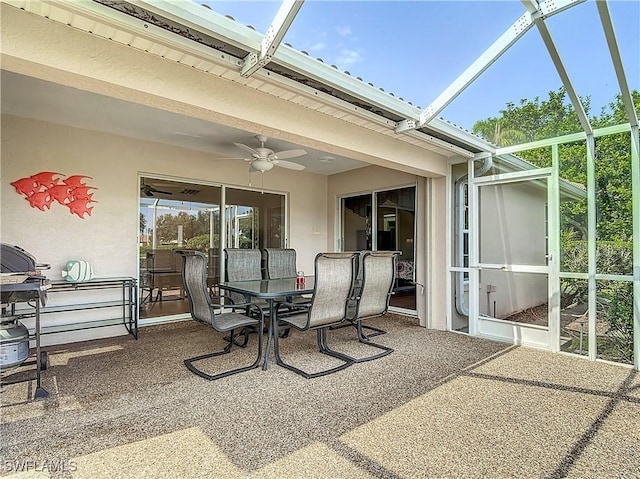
(127, 304)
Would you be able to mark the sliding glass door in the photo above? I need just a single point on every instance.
(178, 215)
(391, 215)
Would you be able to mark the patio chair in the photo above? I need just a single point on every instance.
(357, 288)
(281, 262)
(243, 265)
(194, 275)
(372, 299)
(334, 277)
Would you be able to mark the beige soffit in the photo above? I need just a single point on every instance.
(220, 59)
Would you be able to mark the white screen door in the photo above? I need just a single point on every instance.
(513, 260)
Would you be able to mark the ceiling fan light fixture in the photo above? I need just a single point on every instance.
(261, 165)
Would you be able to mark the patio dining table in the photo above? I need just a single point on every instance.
(270, 290)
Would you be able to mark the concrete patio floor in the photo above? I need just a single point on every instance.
(443, 405)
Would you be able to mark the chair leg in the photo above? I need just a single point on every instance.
(305, 374)
(244, 333)
(376, 331)
(365, 340)
(227, 349)
(324, 347)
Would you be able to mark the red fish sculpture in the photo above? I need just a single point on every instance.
(61, 193)
(46, 179)
(26, 186)
(43, 188)
(80, 207)
(82, 192)
(40, 200)
(75, 180)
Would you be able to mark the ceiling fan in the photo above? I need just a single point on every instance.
(263, 159)
(149, 190)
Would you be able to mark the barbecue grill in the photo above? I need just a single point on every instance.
(21, 281)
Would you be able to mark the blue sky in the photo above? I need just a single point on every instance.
(415, 49)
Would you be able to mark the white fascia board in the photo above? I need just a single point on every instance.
(609, 33)
(195, 16)
(446, 128)
(153, 33)
(312, 68)
(218, 26)
(272, 39)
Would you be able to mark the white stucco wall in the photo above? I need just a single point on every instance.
(108, 238)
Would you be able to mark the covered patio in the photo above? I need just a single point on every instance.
(515, 322)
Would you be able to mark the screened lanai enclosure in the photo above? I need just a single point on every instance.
(512, 192)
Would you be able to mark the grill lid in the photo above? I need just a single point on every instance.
(14, 259)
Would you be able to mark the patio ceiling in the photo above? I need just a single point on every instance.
(46, 101)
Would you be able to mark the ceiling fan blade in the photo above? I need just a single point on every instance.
(281, 155)
(149, 190)
(248, 149)
(288, 164)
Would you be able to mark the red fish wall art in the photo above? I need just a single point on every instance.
(46, 187)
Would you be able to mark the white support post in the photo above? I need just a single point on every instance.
(635, 185)
(474, 251)
(553, 235)
(607, 25)
(591, 245)
(271, 41)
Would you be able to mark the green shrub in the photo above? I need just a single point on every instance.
(614, 298)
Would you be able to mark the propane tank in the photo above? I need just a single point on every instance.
(14, 344)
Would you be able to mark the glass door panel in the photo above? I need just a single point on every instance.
(174, 215)
(395, 231)
(390, 214)
(254, 220)
(356, 223)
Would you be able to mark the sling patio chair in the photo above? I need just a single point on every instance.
(334, 277)
(372, 298)
(194, 275)
(357, 288)
(281, 262)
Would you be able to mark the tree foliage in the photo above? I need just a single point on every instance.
(537, 119)
(168, 225)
